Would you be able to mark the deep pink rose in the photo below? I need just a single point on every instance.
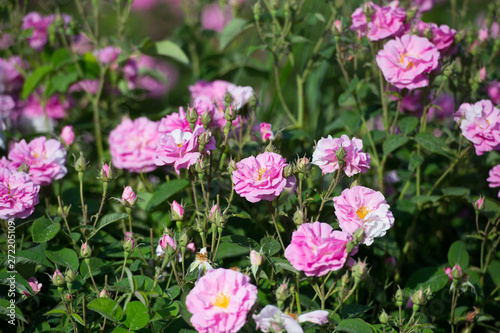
(176, 120)
(55, 108)
(133, 143)
(494, 178)
(39, 24)
(67, 135)
(107, 55)
(261, 178)
(480, 124)
(355, 160)
(165, 242)
(35, 286)
(385, 21)
(493, 89)
(220, 301)
(18, 195)
(182, 149)
(265, 132)
(317, 249)
(405, 61)
(214, 18)
(46, 159)
(362, 207)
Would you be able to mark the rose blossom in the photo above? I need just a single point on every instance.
(405, 61)
(133, 143)
(261, 178)
(265, 132)
(441, 36)
(67, 135)
(176, 120)
(156, 88)
(216, 92)
(40, 25)
(55, 108)
(177, 211)
(423, 5)
(361, 207)
(35, 286)
(213, 17)
(271, 315)
(317, 249)
(494, 178)
(182, 149)
(46, 159)
(18, 194)
(220, 301)
(165, 242)
(385, 21)
(355, 160)
(480, 124)
(129, 198)
(493, 90)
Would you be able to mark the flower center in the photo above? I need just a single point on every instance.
(362, 212)
(261, 172)
(221, 301)
(201, 257)
(293, 315)
(179, 145)
(402, 60)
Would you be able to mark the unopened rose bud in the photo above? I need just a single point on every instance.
(166, 244)
(345, 279)
(303, 166)
(411, 13)
(340, 154)
(184, 240)
(104, 294)
(206, 119)
(358, 235)
(456, 273)
(479, 203)
(67, 135)
(232, 166)
(177, 211)
(350, 246)
(282, 292)
(58, 279)
(85, 251)
(428, 292)
(390, 264)
(252, 102)
(228, 99)
(203, 140)
(255, 258)
(129, 198)
(298, 217)
(192, 117)
(368, 11)
(106, 173)
(265, 132)
(128, 243)
(359, 271)
(63, 211)
(482, 74)
(70, 275)
(337, 27)
(81, 164)
(288, 171)
(230, 114)
(418, 299)
(400, 297)
(215, 216)
(69, 297)
(383, 318)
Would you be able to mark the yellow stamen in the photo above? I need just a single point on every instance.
(362, 212)
(402, 60)
(221, 301)
(201, 257)
(261, 172)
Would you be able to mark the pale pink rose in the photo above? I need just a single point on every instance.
(88, 86)
(55, 107)
(442, 36)
(388, 21)
(46, 159)
(11, 80)
(182, 149)
(405, 61)
(480, 124)
(220, 301)
(355, 160)
(423, 5)
(483, 75)
(317, 249)
(261, 178)
(165, 80)
(214, 18)
(191, 247)
(18, 194)
(271, 316)
(494, 178)
(176, 120)
(35, 286)
(165, 242)
(132, 144)
(362, 207)
(265, 132)
(107, 55)
(216, 92)
(67, 135)
(177, 211)
(129, 198)
(493, 89)
(39, 24)
(5, 163)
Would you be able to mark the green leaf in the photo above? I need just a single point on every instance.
(434, 277)
(97, 265)
(394, 142)
(458, 255)
(165, 191)
(407, 124)
(64, 257)
(353, 326)
(5, 308)
(60, 57)
(110, 218)
(171, 50)
(44, 230)
(173, 292)
(107, 308)
(231, 31)
(353, 310)
(32, 257)
(90, 66)
(433, 144)
(55, 313)
(34, 80)
(270, 246)
(415, 161)
(136, 316)
(78, 319)
(235, 245)
(60, 83)
(20, 282)
(282, 263)
(455, 191)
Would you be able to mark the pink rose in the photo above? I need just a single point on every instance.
(176, 120)
(261, 178)
(447, 104)
(67, 135)
(441, 36)
(483, 75)
(11, 80)
(107, 55)
(480, 124)
(165, 79)
(494, 178)
(493, 89)
(216, 92)
(405, 61)
(55, 108)
(214, 18)
(133, 143)
(39, 24)
(317, 249)
(385, 21)
(423, 5)
(129, 198)
(355, 160)
(177, 211)
(35, 286)
(271, 316)
(165, 242)
(87, 85)
(18, 194)
(182, 149)
(265, 132)
(361, 207)
(46, 159)
(220, 301)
